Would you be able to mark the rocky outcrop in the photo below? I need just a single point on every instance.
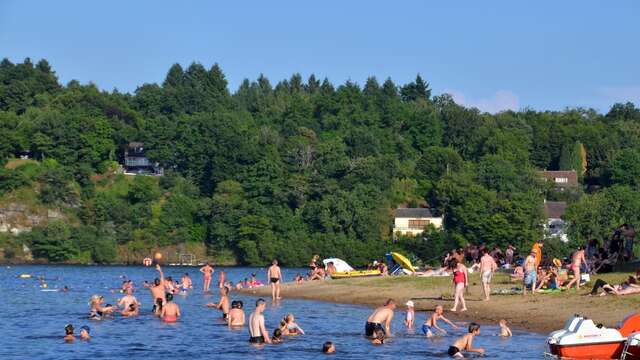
(16, 218)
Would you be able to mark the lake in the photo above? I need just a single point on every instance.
(33, 322)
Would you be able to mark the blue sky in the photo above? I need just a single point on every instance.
(489, 54)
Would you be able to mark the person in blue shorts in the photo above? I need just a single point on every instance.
(431, 324)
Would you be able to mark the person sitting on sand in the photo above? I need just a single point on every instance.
(328, 348)
(291, 327)
(431, 323)
(380, 316)
(223, 304)
(277, 337)
(411, 314)
(317, 274)
(170, 311)
(299, 279)
(236, 314)
(465, 343)
(504, 329)
(331, 268)
(518, 274)
(85, 333)
(378, 337)
(257, 331)
(98, 310)
(68, 333)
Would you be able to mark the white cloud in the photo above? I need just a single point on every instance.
(621, 93)
(501, 100)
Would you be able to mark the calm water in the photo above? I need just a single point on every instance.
(33, 323)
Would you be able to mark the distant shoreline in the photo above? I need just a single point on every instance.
(541, 313)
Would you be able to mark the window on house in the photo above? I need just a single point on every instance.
(562, 180)
(418, 224)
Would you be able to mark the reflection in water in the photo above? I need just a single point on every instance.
(36, 325)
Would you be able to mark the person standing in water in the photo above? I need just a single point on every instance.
(465, 343)
(236, 314)
(185, 282)
(460, 281)
(207, 271)
(576, 262)
(258, 333)
(223, 304)
(431, 324)
(126, 301)
(170, 311)
(68, 333)
(487, 267)
(221, 278)
(157, 289)
(275, 277)
(380, 319)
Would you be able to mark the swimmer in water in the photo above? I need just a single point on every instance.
(465, 343)
(378, 337)
(504, 329)
(85, 333)
(257, 331)
(277, 336)
(98, 311)
(328, 348)
(170, 311)
(68, 331)
(127, 301)
(223, 305)
(431, 324)
(275, 278)
(185, 282)
(207, 271)
(157, 289)
(382, 315)
(236, 314)
(290, 327)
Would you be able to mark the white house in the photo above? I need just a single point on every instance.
(555, 227)
(412, 221)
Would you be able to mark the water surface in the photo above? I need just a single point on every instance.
(33, 323)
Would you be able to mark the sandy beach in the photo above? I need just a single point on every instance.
(540, 313)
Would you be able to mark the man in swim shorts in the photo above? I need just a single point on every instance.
(487, 267)
(380, 319)
(275, 277)
(530, 275)
(258, 333)
(223, 304)
(157, 289)
(465, 343)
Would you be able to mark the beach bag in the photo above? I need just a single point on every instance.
(585, 277)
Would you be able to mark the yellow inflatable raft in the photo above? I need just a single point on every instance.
(354, 274)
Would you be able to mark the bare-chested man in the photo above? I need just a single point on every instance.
(126, 301)
(236, 314)
(157, 289)
(275, 278)
(487, 267)
(257, 331)
(576, 262)
(223, 304)
(380, 319)
(207, 270)
(530, 272)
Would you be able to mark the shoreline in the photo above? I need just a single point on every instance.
(540, 313)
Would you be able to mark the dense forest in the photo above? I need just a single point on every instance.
(297, 168)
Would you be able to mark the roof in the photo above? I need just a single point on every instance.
(135, 144)
(413, 213)
(570, 175)
(554, 209)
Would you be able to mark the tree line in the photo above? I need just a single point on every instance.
(300, 167)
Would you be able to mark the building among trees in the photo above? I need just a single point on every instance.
(555, 227)
(413, 221)
(561, 178)
(137, 163)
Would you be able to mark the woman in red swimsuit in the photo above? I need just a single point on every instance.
(460, 281)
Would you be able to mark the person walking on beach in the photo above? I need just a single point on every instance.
(258, 333)
(207, 271)
(460, 281)
(380, 319)
(487, 267)
(275, 277)
(576, 263)
(530, 274)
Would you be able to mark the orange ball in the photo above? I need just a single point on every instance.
(158, 256)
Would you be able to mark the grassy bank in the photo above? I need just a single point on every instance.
(539, 313)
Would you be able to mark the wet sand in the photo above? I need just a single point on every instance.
(540, 313)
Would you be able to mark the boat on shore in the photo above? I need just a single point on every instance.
(581, 338)
(345, 271)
